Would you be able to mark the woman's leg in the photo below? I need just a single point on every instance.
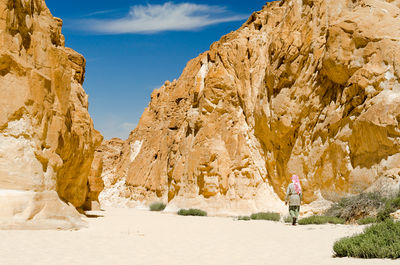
(297, 211)
(294, 213)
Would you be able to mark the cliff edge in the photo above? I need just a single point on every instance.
(47, 139)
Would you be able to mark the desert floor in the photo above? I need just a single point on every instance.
(130, 236)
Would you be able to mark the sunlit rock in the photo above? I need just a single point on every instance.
(303, 87)
(47, 138)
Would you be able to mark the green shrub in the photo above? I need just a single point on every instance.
(287, 219)
(244, 218)
(391, 205)
(266, 216)
(193, 212)
(157, 206)
(367, 220)
(320, 219)
(356, 207)
(381, 240)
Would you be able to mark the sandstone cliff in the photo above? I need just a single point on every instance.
(309, 87)
(95, 183)
(47, 138)
(115, 191)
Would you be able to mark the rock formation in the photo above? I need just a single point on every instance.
(310, 87)
(95, 183)
(47, 138)
(115, 192)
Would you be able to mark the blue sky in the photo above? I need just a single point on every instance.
(133, 46)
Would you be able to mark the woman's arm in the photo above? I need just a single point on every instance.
(287, 195)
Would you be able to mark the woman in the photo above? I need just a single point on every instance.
(293, 197)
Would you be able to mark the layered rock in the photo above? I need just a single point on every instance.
(95, 183)
(306, 87)
(115, 191)
(47, 138)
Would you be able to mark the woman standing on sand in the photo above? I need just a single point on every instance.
(293, 197)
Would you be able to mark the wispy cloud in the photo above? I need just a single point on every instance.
(101, 12)
(167, 17)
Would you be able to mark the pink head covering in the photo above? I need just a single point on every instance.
(296, 182)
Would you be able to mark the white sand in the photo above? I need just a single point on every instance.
(129, 236)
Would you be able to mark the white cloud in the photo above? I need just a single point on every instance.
(101, 12)
(166, 17)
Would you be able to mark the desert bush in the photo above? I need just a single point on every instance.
(287, 219)
(193, 212)
(320, 219)
(391, 205)
(244, 218)
(381, 240)
(367, 220)
(271, 216)
(356, 207)
(157, 206)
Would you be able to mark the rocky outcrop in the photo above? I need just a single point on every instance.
(95, 183)
(395, 215)
(310, 87)
(47, 138)
(115, 192)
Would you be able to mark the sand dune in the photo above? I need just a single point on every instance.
(130, 236)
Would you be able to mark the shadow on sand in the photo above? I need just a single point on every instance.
(93, 215)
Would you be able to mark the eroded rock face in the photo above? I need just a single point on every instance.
(115, 192)
(303, 87)
(47, 138)
(95, 183)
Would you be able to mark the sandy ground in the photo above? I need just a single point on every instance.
(129, 236)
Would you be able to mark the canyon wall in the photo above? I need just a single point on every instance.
(306, 87)
(47, 139)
